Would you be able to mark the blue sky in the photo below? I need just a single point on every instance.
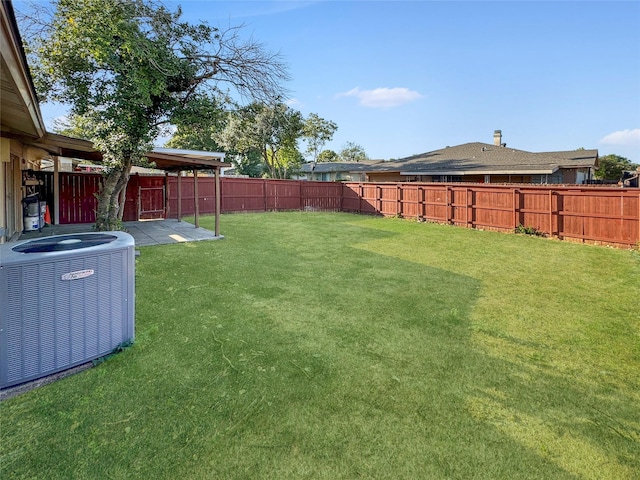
(401, 78)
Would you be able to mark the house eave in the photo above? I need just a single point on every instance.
(541, 171)
(20, 109)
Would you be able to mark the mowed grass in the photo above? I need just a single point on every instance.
(326, 346)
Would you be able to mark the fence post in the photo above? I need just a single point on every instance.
(56, 189)
(179, 195)
(167, 209)
(196, 199)
(469, 209)
(449, 202)
(557, 229)
(217, 200)
(516, 208)
(264, 191)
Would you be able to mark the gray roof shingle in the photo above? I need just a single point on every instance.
(326, 167)
(469, 158)
(480, 157)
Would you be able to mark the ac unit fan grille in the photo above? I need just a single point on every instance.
(64, 308)
(74, 317)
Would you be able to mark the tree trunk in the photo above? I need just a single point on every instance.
(119, 198)
(269, 164)
(122, 202)
(104, 200)
(110, 208)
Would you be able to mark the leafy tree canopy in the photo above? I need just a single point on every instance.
(610, 167)
(249, 164)
(328, 156)
(272, 131)
(317, 131)
(352, 152)
(195, 127)
(128, 68)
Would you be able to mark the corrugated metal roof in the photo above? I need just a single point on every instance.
(164, 158)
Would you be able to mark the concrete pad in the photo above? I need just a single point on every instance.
(145, 232)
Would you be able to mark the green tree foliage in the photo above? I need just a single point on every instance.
(328, 156)
(316, 132)
(74, 127)
(249, 164)
(209, 116)
(610, 167)
(129, 68)
(272, 131)
(352, 152)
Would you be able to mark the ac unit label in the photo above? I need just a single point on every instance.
(77, 275)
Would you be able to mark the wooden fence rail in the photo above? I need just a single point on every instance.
(254, 195)
(600, 215)
(585, 214)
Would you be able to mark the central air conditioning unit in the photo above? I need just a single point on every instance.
(64, 300)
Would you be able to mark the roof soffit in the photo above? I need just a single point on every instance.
(20, 110)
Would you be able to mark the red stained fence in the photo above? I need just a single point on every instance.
(252, 195)
(77, 196)
(589, 214)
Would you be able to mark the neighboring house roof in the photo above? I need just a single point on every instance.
(468, 159)
(574, 158)
(483, 158)
(327, 167)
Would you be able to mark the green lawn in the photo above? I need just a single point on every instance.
(326, 346)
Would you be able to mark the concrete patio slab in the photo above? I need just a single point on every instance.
(145, 232)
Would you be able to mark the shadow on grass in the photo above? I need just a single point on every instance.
(586, 425)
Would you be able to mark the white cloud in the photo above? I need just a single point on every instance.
(622, 137)
(293, 102)
(382, 97)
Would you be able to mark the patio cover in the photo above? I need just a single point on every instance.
(168, 159)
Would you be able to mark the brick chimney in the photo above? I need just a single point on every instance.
(497, 137)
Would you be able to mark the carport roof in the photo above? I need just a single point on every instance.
(176, 159)
(164, 158)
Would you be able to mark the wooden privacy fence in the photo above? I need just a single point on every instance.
(77, 199)
(588, 214)
(252, 195)
(601, 215)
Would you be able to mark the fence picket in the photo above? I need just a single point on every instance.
(579, 213)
